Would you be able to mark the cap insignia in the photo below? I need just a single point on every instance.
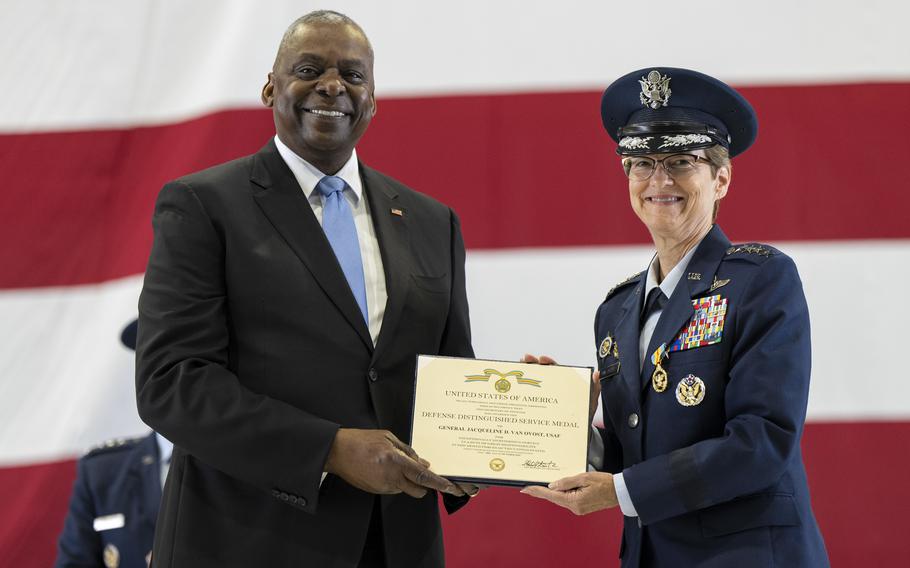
(655, 90)
(684, 140)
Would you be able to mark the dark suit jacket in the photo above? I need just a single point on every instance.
(252, 352)
(119, 478)
(719, 483)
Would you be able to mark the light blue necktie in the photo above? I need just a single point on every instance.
(338, 224)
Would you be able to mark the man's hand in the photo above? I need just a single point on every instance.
(582, 494)
(471, 489)
(378, 462)
(595, 378)
(542, 360)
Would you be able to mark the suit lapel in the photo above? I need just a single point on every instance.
(285, 205)
(679, 309)
(394, 243)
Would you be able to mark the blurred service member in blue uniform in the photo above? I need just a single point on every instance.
(703, 357)
(112, 511)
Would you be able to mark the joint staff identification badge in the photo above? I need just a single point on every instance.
(690, 391)
(706, 327)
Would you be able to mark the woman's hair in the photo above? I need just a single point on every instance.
(719, 158)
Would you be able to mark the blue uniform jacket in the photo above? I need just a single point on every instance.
(122, 478)
(717, 482)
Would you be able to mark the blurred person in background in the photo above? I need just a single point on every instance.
(111, 517)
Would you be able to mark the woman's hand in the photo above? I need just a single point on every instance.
(582, 494)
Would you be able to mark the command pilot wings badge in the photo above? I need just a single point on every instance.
(718, 284)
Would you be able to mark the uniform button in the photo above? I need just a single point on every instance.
(284, 497)
(293, 499)
(275, 493)
(373, 375)
(301, 501)
(633, 420)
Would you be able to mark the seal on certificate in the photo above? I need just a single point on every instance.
(497, 464)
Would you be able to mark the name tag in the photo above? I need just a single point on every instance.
(108, 522)
(610, 370)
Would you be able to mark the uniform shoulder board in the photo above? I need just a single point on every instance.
(627, 281)
(113, 445)
(752, 249)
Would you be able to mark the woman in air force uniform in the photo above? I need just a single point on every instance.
(703, 357)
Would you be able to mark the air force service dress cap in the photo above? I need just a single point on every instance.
(663, 109)
(128, 335)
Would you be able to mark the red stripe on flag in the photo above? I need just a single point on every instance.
(522, 170)
(34, 502)
(857, 476)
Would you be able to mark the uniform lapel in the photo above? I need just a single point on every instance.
(285, 205)
(706, 260)
(679, 309)
(147, 468)
(627, 333)
(394, 243)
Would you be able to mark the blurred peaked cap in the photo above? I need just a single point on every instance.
(664, 109)
(128, 335)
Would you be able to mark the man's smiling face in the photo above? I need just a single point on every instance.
(321, 92)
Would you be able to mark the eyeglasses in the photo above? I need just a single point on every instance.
(677, 166)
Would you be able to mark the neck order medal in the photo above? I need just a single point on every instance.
(659, 376)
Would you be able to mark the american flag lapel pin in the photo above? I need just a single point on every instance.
(397, 212)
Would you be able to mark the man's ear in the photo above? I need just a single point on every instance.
(268, 92)
(373, 102)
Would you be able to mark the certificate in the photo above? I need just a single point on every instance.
(499, 422)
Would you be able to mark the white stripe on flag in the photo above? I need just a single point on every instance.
(110, 63)
(69, 383)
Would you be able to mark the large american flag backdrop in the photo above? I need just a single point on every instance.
(491, 107)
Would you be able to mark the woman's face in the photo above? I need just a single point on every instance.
(681, 206)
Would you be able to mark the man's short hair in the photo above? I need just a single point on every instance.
(320, 17)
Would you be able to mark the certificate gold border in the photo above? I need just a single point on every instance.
(501, 422)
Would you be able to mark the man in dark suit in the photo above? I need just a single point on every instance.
(286, 297)
(112, 511)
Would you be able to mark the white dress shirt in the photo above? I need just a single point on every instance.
(165, 449)
(647, 330)
(308, 176)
